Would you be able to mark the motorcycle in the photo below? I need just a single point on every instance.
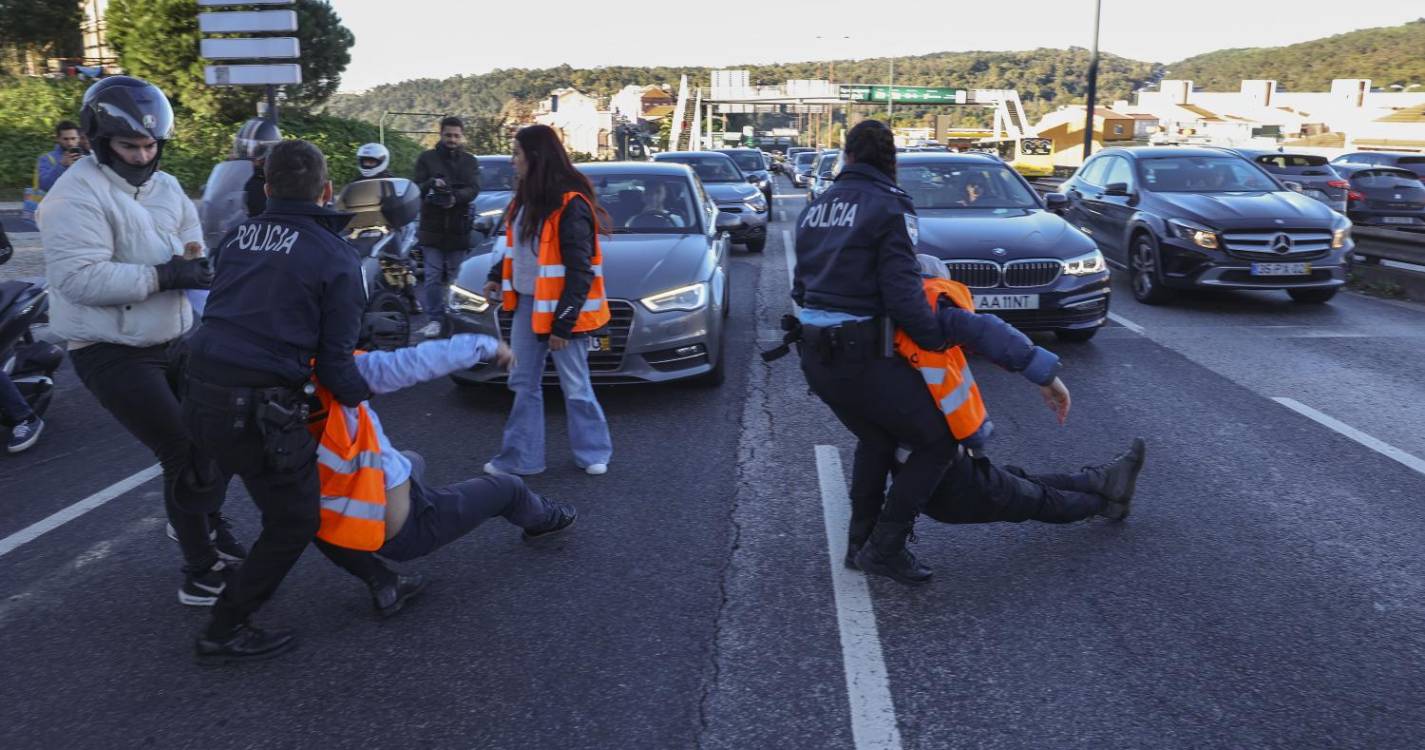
(383, 230)
(29, 363)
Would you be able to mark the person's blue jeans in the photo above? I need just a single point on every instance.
(13, 405)
(442, 268)
(522, 451)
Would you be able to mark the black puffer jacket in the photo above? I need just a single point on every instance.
(447, 227)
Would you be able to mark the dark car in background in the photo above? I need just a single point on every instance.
(665, 273)
(823, 172)
(1185, 218)
(730, 189)
(1309, 174)
(1412, 162)
(497, 185)
(1385, 196)
(754, 164)
(801, 166)
(1021, 260)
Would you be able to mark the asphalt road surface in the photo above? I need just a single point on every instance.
(1266, 592)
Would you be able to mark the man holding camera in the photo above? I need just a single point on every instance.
(67, 150)
(449, 180)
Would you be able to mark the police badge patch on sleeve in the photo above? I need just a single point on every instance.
(912, 227)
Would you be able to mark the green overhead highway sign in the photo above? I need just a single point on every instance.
(921, 94)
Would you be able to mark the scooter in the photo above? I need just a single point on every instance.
(383, 231)
(30, 363)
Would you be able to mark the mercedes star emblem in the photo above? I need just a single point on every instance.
(1281, 244)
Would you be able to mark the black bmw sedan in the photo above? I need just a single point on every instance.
(997, 236)
(1185, 218)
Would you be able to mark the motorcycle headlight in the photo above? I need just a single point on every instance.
(1200, 236)
(688, 298)
(466, 301)
(1086, 265)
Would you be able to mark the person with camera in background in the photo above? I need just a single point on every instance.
(449, 180)
(68, 149)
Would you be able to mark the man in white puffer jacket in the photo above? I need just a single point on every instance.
(114, 230)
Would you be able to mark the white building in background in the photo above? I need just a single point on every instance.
(578, 120)
(1349, 116)
(647, 102)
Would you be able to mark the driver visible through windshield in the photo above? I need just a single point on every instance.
(964, 186)
(1203, 174)
(647, 204)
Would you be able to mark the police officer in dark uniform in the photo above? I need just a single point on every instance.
(288, 292)
(856, 280)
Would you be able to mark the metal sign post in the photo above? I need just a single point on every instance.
(261, 49)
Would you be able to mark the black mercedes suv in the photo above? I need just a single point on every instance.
(1183, 218)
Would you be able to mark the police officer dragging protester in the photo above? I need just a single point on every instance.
(287, 299)
(974, 490)
(123, 246)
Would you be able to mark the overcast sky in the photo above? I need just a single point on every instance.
(402, 39)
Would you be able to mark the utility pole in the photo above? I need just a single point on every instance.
(1093, 83)
(891, 95)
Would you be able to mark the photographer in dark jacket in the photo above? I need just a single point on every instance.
(449, 179)
(288, 292)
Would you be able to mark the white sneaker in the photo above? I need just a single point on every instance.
(431, 330)
(492, 470)
(596, 469)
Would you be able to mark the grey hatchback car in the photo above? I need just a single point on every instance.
(665, 272)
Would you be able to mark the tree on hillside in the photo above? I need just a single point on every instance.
(39, 28)
(158, 40)
(1389, 55)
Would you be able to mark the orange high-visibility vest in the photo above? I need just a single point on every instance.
(946, 373)
(353, 483)
(549, 285)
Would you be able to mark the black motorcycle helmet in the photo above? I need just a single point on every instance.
(255, 138)
(124, 106)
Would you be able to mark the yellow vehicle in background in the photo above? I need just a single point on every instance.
(1031, 157)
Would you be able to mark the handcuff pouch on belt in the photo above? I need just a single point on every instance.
(281, 416)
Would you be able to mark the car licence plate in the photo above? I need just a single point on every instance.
(1006, 302)
(600, 344)
(1281, 269)
(1397, 219)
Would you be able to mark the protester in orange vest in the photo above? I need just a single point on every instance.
(375, 503)
(973, 489)
(552, 279)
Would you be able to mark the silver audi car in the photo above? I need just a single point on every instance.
(665, 272)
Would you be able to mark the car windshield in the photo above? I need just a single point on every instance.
(1202, 174)
(746, 160)
(646, 203)
(826, 162)
(1385, 178)
(964, 186)
(1277, 162)
(710, 169)
(804, 159)
(497, 175)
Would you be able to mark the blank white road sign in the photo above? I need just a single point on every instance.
(283, 47)
(219, 3)
(247, 21)
(286, 74)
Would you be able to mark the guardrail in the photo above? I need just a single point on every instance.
(1374, 244)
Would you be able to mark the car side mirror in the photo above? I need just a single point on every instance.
(1116, 188)
(1295, 187)
(1056, 201)
(727, 222)
(752, 178)
(827, 175)
(485, 225)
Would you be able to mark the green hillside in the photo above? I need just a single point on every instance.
(1388, 55)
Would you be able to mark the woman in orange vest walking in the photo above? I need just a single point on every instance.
(552, 280)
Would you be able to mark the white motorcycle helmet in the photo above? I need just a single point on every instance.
(372, 159)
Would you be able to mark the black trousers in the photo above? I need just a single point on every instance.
(885, 404)
(138, 386)
(974, 490)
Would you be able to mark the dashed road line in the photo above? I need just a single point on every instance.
(50, 523)
(1379, 446)
(873, 714)
(1125, 322)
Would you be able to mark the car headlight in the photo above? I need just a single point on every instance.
(689, 298)
(1340, 235)
(757, 203)
(466, 301)
(1085, 265)
(492, 212)
(1200, 236)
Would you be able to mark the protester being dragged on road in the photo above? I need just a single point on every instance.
(552, 279)
(449, 179)
(114, 232)
(973, 489)
(375, 498)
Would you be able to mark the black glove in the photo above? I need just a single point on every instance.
(181, 273)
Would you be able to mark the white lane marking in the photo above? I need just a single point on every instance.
(1379, 446)
(53, 521)
(781, 214)
(790, 195)
(1125, 322)
(873, 715)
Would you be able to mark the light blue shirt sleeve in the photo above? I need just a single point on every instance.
(826, 318)
(391, 371)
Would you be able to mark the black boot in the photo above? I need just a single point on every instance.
(390, 594)
(885, 554)
(1117, 479)
(243, 643)
(856, 536)
(564, 516)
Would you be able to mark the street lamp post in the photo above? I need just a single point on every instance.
(891, 95)
(1093, 83)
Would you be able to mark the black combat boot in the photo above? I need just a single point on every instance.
(856, 536)
(1117, 479)
(564, 516)
(885, 554)
(390, 593)
(243, 643)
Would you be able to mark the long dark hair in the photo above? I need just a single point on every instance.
(872, 143)
(548, 176)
